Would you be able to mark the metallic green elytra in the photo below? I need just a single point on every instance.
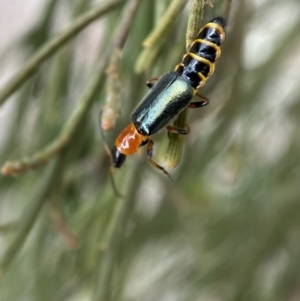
(168, 97)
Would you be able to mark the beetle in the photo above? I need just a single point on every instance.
(170, 94)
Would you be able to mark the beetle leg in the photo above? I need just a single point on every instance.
(177, 130)
(149, 156)
(150, 82)
(144, 143)
(199, 104)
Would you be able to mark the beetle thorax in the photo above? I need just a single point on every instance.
(129, 141)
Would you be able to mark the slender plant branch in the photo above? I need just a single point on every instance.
(165, 23)
(125, 23)
(176, 142)
(112, 106)
(49, 48)
(195, 18)
(155, 40)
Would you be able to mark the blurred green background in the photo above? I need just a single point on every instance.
(228, 228)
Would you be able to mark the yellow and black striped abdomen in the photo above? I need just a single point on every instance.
(199, 63)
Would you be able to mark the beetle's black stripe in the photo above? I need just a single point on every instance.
(206, 49)
(198, 64)
(211, 32)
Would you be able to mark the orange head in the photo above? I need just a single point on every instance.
(127, 143)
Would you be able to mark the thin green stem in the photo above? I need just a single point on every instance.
(165, 23)
(57, 42)
(113, 101)
(175, 145)
(155, 40)
(125, 23)
(195, 18)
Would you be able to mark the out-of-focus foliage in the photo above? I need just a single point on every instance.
(227, 229)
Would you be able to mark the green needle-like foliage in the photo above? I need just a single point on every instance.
(228, 228)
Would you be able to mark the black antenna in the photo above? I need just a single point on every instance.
(108, 151)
